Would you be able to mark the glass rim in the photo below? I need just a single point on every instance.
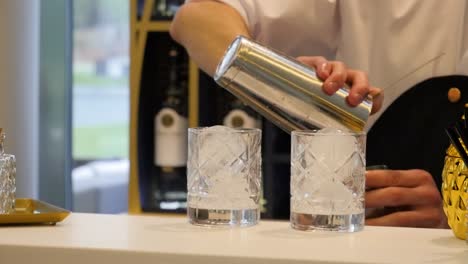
(201, 129)
(313, 132)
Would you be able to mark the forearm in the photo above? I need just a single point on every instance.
(205, 29)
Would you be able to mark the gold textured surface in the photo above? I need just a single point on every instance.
(455, 192)
(30, 211)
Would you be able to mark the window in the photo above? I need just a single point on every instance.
(100, 105)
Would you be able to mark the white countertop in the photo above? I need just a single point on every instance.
(93, 238)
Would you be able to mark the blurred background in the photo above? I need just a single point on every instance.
(100, 99)
(96, 99)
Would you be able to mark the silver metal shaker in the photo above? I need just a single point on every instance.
(285, 91)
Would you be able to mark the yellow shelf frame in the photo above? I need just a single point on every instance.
(138, 36)
(155, 26)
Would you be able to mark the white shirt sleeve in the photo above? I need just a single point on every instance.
(246, 9)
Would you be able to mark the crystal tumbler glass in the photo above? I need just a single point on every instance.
(328, 180)
(224, 176)
(7, 179)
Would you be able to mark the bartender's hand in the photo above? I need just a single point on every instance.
(403, 198)
(335, 74)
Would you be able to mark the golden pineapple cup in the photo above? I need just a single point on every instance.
(455, 192)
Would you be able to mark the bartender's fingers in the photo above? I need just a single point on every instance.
(402, 196)
(333, 73)
(319, 63)
(337, 78)
(426, 217)
(397, 178)
(377, 95)
(360, 87)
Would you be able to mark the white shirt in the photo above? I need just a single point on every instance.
(399, 43)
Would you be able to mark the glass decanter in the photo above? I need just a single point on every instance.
(7, 179)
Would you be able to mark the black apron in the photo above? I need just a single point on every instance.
(410, 133)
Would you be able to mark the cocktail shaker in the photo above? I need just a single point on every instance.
(285, 91)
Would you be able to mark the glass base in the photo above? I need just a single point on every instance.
(220, 217)
(338, 223)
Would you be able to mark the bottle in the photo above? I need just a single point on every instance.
(161, 11)
(166, 9)
(7, 179)
(170, 148)
(241, 116)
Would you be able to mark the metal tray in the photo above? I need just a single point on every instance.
(30, 211)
